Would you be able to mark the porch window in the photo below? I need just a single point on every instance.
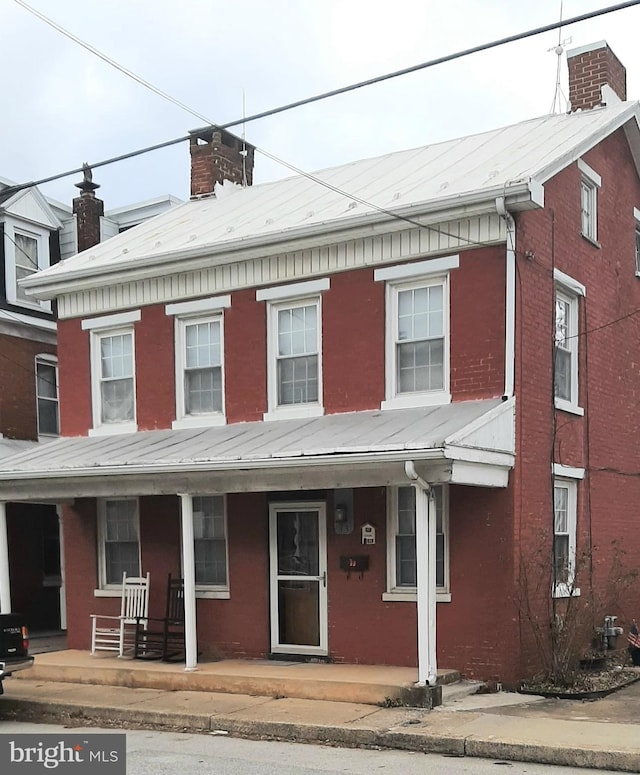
(210, 541)
(47, 395)
(294, 341)
(119, 540)
(401, 543)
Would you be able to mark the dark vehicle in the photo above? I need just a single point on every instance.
(14, 646)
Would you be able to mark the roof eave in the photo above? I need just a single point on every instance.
(519, 195)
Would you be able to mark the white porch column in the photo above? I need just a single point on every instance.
(63, 593)
(189, 578)
(5, 586)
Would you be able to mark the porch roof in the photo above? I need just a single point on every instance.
(469, 442)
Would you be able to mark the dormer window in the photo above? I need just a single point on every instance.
(26, 250)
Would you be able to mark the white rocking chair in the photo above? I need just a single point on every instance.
(114, 633)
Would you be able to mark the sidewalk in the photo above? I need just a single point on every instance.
(604, 734)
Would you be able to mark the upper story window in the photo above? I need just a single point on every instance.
(294, 349)
(47, 395)
(119, 540)
(566, 342)
(590, 182)
(402, 569)
(26, 250)
(210, 541)
(565, 517)
(417, 332)
(113, 390)
(199, 335)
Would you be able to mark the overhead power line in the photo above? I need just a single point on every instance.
(306, 100)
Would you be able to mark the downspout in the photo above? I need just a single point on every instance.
(425, 575)
(510, 299)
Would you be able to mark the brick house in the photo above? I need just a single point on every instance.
(352, 416)
(35, 233)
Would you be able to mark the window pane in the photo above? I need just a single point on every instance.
(563, 374)
(420, 366)
(561, 506)
(202, 343)
(298, 331)
(117, 400)
(561, 559)
(298, 380)
(406, 561)
(48, 417)
(46, 380)
(116, 355)
(638, 250)
(203, 391)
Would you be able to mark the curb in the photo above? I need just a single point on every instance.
(361, 737)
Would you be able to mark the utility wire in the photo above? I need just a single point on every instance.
(307, 100)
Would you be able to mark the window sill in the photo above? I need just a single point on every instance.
(562, 591)
(108, 592)
(416, 400)
(411, 597)
(199, 421)
(591, 241)
(113, 429)
(567, 406)
(213, 594)
(294, 412)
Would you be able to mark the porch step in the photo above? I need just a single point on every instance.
(367, 684)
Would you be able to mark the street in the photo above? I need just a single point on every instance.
(160, 753)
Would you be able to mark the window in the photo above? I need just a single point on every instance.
(417, 332)
(294, 341)
(26, 251)
(590, 182)
(210, 540)
(401, 543)
(564, 537)
(47, 396)
(113, 373)
(119, 540)
(566, 338)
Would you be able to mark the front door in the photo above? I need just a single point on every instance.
(298, 553)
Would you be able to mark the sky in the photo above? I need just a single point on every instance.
(64, 106)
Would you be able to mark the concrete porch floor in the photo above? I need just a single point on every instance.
(368, 684)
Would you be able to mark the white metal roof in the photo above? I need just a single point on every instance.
(9, 448)
(444, 174)
(362, 437)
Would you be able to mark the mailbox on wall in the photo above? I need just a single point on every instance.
(354, 563)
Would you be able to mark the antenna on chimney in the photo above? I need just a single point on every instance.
(560, 102)
(243, 152)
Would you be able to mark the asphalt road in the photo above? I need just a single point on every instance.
(167, 753)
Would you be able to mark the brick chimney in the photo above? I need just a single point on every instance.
(590, 68)
(88, 210)
(216, 156)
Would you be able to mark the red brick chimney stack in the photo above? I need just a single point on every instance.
(216, 156)
(88, 210)
(590, 68)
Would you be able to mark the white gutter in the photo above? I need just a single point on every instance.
(425, 575)
(510, 299)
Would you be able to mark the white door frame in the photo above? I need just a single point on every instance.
(320, 508)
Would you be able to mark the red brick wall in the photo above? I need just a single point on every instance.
(74, 366)
(155, 374)
(18, 410)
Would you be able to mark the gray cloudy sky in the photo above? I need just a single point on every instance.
(63, 106)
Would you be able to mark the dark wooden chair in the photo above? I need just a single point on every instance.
(163, 638)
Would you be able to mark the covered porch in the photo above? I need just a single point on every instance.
(468, 444)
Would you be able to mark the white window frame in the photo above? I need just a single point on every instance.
(636, 216)
(99, 328)
(590, 182)
(114, 586)
(567, 478)
(569, 291)
(191, 313)
(396, 593)
(13, 226)
(421, 274)
(287, 297)
(46, 359)
(215, 591)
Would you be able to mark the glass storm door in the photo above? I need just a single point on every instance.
(297, 538)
